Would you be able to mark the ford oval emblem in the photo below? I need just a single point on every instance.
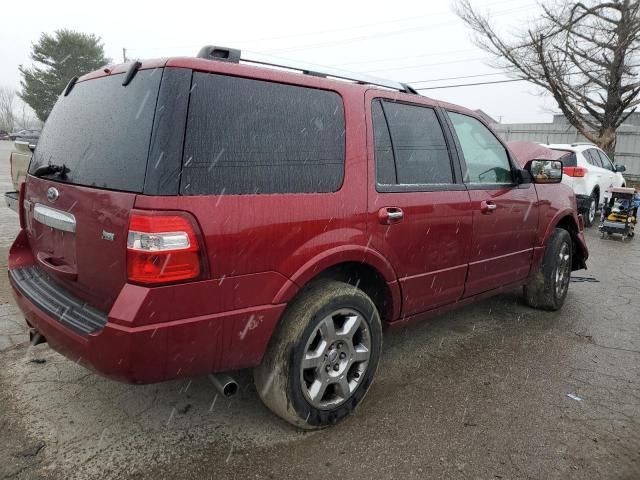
(52, 194)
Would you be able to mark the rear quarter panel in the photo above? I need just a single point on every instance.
(283, 239)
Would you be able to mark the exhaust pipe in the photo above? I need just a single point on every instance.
(226, 385)
(35, 338)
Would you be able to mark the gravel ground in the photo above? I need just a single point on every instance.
(480, 393)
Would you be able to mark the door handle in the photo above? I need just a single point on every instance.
(487, 207)
(390, 215)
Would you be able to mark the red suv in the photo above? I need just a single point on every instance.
(202, 215)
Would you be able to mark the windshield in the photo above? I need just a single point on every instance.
(101, 131)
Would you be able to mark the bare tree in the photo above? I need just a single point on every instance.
(7, 108)
(584, 54)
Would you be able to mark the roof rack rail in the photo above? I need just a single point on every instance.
(211, 52)
(577, 144)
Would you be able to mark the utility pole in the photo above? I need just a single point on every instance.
(124, 55)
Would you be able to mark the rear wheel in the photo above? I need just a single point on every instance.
(323, 356)
(548, 287)
(590, 214)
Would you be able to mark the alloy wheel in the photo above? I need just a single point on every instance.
(563, 270)
(592, 211)
(335, 358)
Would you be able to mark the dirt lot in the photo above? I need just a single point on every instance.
(481, 393)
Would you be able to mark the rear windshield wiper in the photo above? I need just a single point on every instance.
(49, 169)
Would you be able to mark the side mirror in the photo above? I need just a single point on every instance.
(32, 146)
(545, 171)
(620, 168)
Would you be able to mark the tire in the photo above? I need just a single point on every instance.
(333, 385)
(590, 213)
(548, 287)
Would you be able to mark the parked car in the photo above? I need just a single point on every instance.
(197, 215)
(590, 173)
(26, 135)
(4, 135)
(19, 160)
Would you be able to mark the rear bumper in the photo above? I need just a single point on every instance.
(11, 199)
(150, 353)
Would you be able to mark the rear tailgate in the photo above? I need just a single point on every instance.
(90, 261)
(77, 220)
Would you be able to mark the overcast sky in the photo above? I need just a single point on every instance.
(410, 41)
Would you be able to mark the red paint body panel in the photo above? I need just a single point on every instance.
(166, 350)
(258, 251)
(100, 264)
(429, 247)
(503, 239)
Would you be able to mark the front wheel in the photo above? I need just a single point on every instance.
(322, 357)
(548, 287)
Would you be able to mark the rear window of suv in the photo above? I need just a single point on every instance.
(101, 132)
(247, 136)
(567, 157)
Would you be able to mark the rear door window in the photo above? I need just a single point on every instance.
(385, 163)
(412, 136)
(101, 132)
(246, 136)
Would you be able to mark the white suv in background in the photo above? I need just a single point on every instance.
(590, 173)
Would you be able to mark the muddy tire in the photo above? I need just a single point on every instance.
(591, 212)
(322, 357)
(548, 287)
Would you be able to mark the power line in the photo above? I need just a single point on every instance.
(341, 29)
(457, 78)
(333, 30)
(305, 34)
(407, 67)
(434, 54)
(487, 83)
(384, 34)
(473, 84)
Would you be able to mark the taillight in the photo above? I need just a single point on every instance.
(575, 171)
(161, 249)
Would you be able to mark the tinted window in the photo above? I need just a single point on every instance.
(385, 167)
(249, 136)
(568, 159)
(101, 132)
(486, 159)
(606, 163)
(592, 157)
(421, 153)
